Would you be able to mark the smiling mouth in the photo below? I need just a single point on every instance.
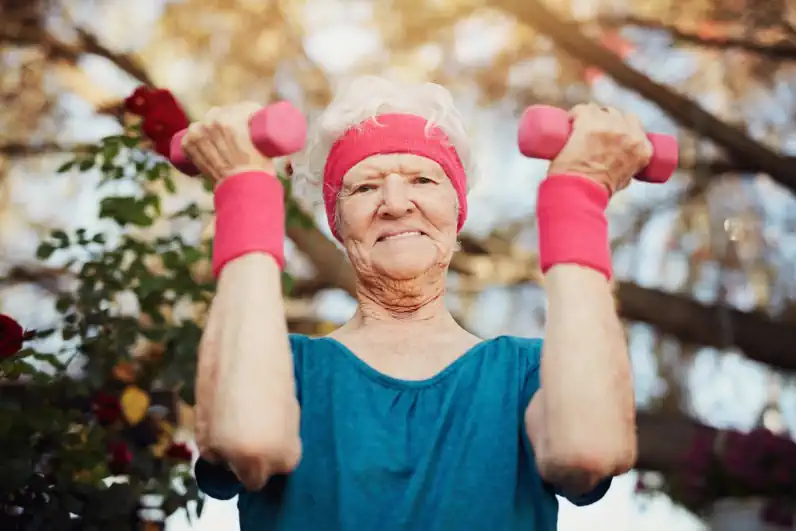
(408, 234)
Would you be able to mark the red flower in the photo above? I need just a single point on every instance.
(119, 457)
(162, 115)
(161, 124)
(180, 452)
(144, 99)
(106, 408)
(12, 335)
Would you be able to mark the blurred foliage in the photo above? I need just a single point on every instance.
(64, 436)
(136, 351)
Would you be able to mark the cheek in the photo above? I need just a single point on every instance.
(442, 210)
(353, 216)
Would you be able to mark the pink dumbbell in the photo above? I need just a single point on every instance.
(276, 130)
(544, 131)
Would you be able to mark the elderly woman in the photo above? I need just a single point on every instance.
(401, 419)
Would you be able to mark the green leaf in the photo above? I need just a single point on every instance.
(287, 283)
(63, 303)
(110, 149)
(126, 210)
(69, 333)
(192, 255)
(86, 164)
(131, 141)
(191, 211)
(44, 333)
(66, 166)
(44, 251)
(62, 239)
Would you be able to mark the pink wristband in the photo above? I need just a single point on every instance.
(250, 218)
(573, 228)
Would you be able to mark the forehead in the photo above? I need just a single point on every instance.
(404, 163)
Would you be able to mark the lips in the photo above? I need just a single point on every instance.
(400, 235)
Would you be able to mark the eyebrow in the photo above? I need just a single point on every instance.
(401, 168)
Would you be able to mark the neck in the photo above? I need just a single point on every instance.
(418, 301)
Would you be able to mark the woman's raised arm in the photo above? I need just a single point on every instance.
(247, 410)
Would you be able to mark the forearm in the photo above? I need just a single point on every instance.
(254, 417)
(587, 401)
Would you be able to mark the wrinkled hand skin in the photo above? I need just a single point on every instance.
(220, 145)
(606, 146)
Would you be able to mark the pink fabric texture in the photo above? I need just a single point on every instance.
(573, 228)
(250, 217)
(386, 134)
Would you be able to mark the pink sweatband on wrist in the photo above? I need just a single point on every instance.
(250, 218)
(573, 229)
(383, 135)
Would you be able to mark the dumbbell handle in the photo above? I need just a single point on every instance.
(544, 131)
(276, 130)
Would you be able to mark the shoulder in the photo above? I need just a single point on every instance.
(527, 349)
(299, 343)
(528, 354)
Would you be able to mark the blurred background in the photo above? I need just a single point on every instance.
(705, 264)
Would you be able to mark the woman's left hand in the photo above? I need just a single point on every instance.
(606, 146)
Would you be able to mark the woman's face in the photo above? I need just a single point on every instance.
(398, 215)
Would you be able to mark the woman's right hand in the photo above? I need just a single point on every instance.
(220, 145)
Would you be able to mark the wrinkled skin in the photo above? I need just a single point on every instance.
(399, 193)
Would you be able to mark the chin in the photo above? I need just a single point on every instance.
(399, 271)
(404, 264)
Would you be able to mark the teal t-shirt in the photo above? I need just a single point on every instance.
(448, 453)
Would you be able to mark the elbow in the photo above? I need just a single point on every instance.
(582, 469)
(254, 462)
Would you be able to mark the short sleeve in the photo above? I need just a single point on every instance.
(217, 480)
(532, 352)
(587, 498)
(297, 346)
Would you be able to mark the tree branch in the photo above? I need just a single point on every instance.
(736, 143)
(781, 50)
(18, 149)
(759, 336)
(86, 43)
(664, 440)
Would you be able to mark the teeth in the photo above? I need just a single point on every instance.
(402, 235)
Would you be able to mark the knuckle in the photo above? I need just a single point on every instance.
(194, 130)
(249, 106)
(213, 112)
(578, 109)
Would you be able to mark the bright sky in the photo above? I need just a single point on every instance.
(728, 391)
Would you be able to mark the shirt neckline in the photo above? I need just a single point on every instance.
(400, 383)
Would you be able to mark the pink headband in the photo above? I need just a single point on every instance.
(391, 133)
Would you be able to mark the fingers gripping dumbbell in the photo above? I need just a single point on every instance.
(276, 130)
(544, 131)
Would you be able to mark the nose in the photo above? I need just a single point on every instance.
(396, 201)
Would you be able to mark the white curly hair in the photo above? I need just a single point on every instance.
(367, 97)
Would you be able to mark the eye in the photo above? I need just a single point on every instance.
(423, 180)
(364, 188)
